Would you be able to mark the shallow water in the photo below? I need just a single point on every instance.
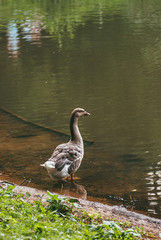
(103, 56)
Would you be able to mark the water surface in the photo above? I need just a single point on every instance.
(103, 56)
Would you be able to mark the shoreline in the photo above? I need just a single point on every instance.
(151, 225)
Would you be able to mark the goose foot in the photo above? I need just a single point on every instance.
(73, 178)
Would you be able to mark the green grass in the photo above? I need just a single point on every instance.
(56, 218)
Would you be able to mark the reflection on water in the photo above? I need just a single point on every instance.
(103, 56)
(13, 39)
(71, 189)
(31, 31)
(154, 189)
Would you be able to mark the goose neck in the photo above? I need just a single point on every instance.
(74, 130)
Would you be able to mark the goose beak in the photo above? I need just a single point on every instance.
(86, 114)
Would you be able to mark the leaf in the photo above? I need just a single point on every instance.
(112, 225)
(53, 196)
(77, 205)
(73, 200)
(28, 194)
(49, 194)
(19, 195)
(11, 187)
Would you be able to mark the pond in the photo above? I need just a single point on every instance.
(104, 56)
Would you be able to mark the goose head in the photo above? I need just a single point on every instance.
(79, 112)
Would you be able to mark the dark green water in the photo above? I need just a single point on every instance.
(104, 56)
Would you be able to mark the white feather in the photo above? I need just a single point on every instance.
(53, 172)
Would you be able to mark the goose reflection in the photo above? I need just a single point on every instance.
(71, 189)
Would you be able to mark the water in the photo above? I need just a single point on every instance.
(103, 56)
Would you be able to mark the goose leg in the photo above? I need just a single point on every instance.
(72, 177)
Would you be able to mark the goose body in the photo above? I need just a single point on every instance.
(67, 157)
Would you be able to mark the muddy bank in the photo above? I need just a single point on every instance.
(151, 225)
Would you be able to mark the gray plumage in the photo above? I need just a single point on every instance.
(67, 157)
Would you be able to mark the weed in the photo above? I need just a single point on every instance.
(54, 219)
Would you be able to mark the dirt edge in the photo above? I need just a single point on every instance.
(150, 225)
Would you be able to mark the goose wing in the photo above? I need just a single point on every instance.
(66, 151)
(74, 166)
(66, 154)
(60, 164)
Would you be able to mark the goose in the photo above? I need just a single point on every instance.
(67, 157)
